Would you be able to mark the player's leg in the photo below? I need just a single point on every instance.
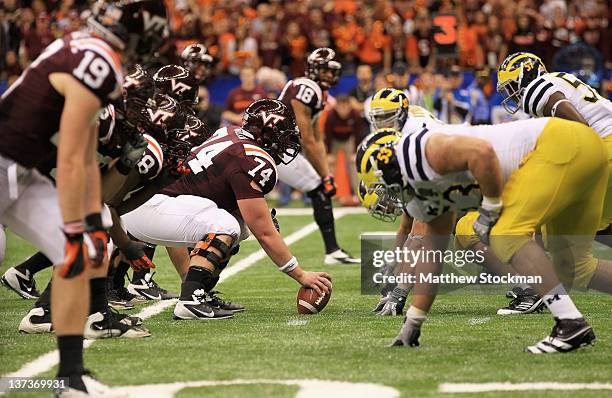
(186, 221)
(525, 300)
(2, 243)
(568, 164)
(302, 176)
(35, 216)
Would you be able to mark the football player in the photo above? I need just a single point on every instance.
(118, 140)
(309, 173)
(179, 83)
(391, 116)
(515, 167)
(63, 90)
(230, 174)
(103, 323)
(527, 85)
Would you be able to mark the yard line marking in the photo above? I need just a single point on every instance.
(488, 387)
(308, 388)
(46, 361)
(307, 211)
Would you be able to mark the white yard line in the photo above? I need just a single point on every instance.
(307, 211)
(488, 387)
(46, 361)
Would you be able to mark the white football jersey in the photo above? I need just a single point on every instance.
(595, 109)
(418, 118)
(436, 194)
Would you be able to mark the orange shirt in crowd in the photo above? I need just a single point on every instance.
(372, 45)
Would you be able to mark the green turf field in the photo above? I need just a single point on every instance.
(463, 340)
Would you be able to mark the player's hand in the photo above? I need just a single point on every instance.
(489, 213)
(76, 259)
(135, 255)
(329, 186)
(97, 239)
(318, 281)
(131, 153)
(410, 332)
(275, 220)
(395, 302)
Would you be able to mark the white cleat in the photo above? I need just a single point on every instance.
(21, 283)
(340, 257)
(38, 320)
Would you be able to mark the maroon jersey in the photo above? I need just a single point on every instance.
(238, 99)
(30, 110)
(223, 168)
(306, 91)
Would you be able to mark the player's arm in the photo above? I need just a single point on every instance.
(312, 145)
(257, 217)
(559, 106)
(447, 154)
(146, 193)
(78, 116)
(133, 251)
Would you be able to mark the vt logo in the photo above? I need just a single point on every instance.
(271, 119)
(153, 23)
(179, 87)
(159, 115)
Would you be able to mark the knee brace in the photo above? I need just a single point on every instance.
(202, 249)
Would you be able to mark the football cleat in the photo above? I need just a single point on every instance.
(38, 320)
(149, 289)
(21, 283)
(567, 335)
(213, 299)
(103, 325)
(340, 257)
(121, 299)
(198, 308)
(524, 301)
(125, 318)
(95, 389)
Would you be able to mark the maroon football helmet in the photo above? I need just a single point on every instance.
(273, 127)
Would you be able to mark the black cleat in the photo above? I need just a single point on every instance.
(567, 335)
(121, 299)
(213, 299)
(524, 301)
(149, 289)
(103, 325)
(198, 308)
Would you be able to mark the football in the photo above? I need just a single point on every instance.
(308, 302)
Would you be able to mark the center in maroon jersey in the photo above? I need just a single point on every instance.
(224, 168)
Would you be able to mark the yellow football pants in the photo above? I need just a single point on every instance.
(560, 185)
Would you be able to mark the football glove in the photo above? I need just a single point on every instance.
(135, 255)
(131, 153)
(329, 186)
(488, 215)
(97, 239)
(410, 332)
(275, 220)
(394, 302)
(76, 259)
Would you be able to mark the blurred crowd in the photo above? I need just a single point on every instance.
(444, 53)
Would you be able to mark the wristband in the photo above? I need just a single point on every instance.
(290, 266)
(74, 227)
(491, 203)
(94, 220)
